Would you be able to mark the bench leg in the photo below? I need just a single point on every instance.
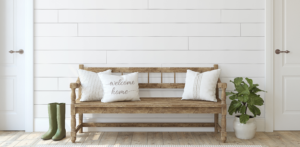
(80, 122)
(223, 129)
(216, 122)
(73, 128)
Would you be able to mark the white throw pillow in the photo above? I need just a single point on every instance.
(120, 88)
(91, 85)
(201, 86)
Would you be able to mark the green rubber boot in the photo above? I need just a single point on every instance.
(52, 122)
(61, 130)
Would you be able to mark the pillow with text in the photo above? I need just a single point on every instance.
(120, 88)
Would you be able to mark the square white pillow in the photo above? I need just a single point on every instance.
(91, 85)
(201, 86)
(120, 88)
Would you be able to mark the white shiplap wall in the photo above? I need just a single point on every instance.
(145, 33)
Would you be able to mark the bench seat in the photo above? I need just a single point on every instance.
(152, 102)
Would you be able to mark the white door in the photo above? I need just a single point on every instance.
(11, 65)
(287, 65)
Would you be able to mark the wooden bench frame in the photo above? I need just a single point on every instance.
(216, 108)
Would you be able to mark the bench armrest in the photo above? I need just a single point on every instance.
(73, 87)
(223, 96)
(222, 85)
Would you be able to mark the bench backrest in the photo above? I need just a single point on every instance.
(153, 70)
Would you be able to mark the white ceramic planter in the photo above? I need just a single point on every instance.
(244, 131)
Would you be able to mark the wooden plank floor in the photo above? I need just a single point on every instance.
(274, 139)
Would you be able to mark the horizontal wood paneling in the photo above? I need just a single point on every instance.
(145, 33)
(206, 4)
(252, 30)
(46, 15)
(64, 83)
(45, 97)
(139, 16)
(159, 29)
(111, 43)
(91, 4)
(70, 70)
(149, 43)
(226, 43)
(243, 15)
(228, 70)
(59, 70)
(45, 84)
(70, 57)
(185, 57)
(55, 30)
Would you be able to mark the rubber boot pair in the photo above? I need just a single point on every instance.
(57, 130)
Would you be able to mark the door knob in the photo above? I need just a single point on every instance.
(20, 51)
(277, 51)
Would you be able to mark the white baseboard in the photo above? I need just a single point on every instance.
(41, 125)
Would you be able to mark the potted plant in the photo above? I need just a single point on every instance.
(245, 98)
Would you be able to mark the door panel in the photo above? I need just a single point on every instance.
(11, 65)
(6, 30)
(7, 91)
(291, 32)
(287, 65)
(290, 95)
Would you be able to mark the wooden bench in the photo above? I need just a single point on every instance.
(150, 105)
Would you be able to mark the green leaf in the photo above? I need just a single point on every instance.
(233, 97)
(255, 89)
(258, 101)
(243, 98)
(237, 110)
(233, 106)
(251, 99)
(242, 89)
(238, 80)
(244, 118)
(255, 100)
(243, 109)
(230, 93)
(254, 110)
(250, 82)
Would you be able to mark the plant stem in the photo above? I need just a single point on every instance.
(244, 103)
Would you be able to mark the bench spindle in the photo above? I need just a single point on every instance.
(161, 77)
(174, 77)
(148, 77)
